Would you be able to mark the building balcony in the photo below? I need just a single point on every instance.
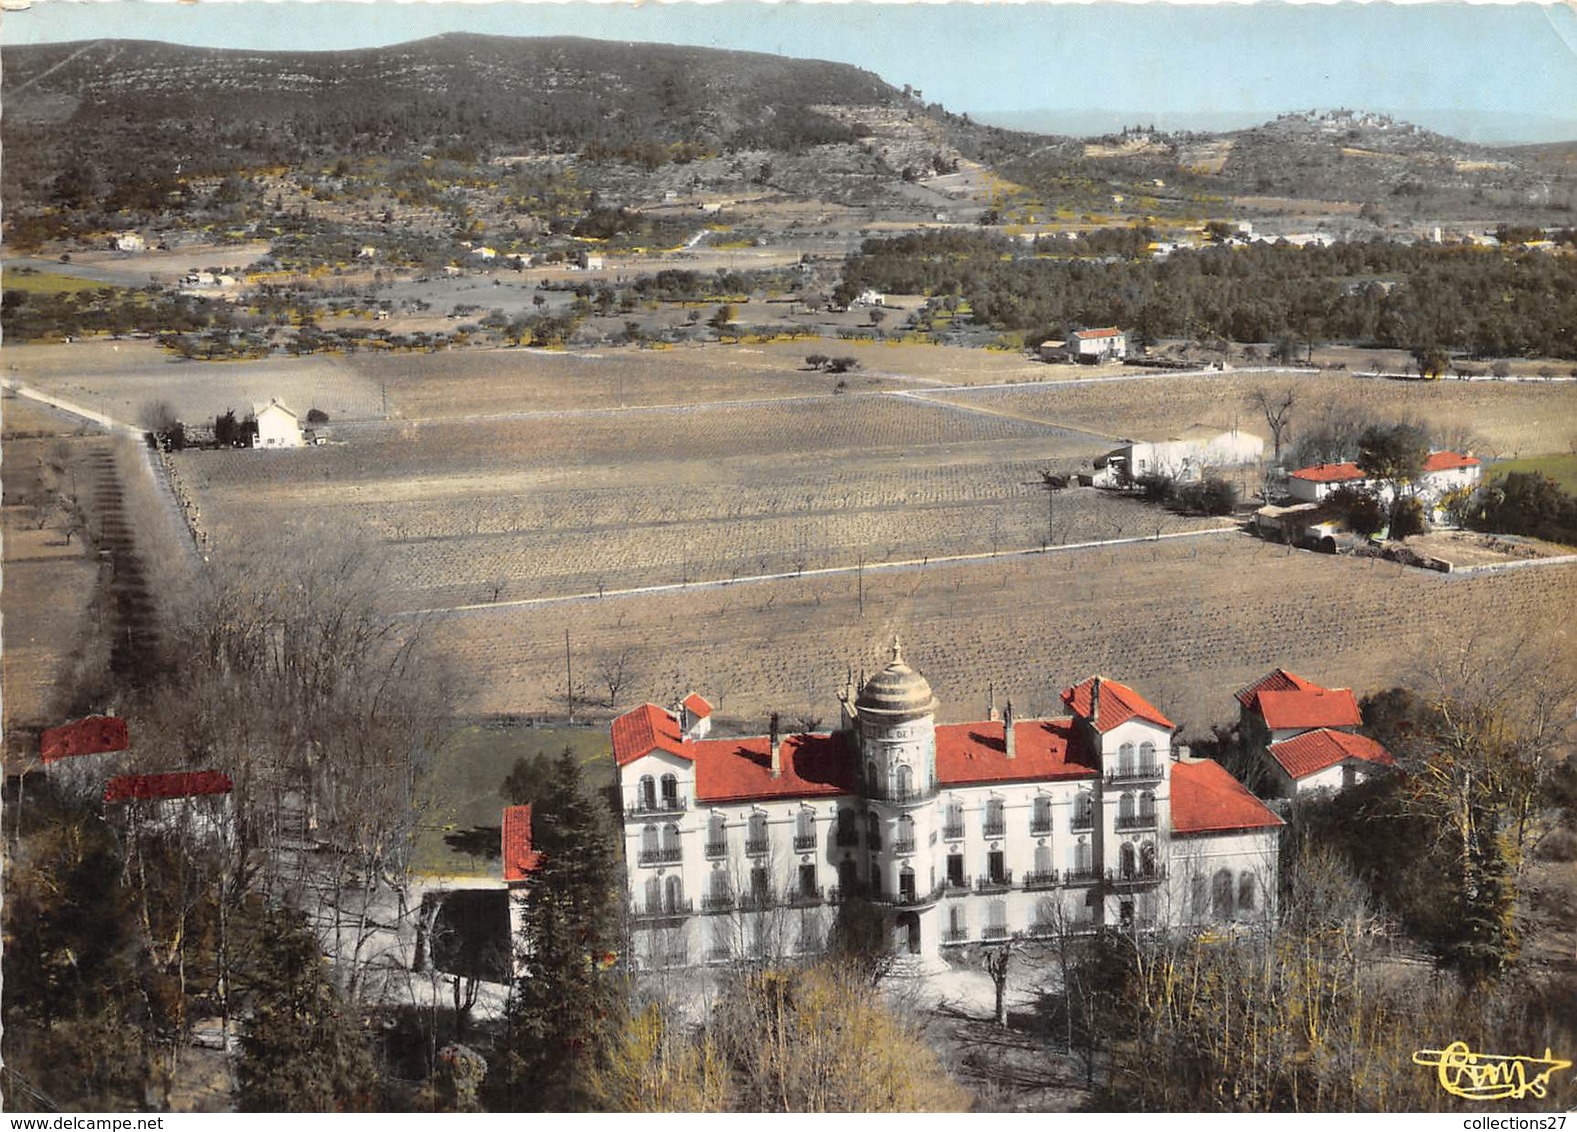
(1041, 929)
(1138, 878)
(755, 901)
(1144, 772)
(1080, 876)
(721, 902)
(953, 832)
(667, 910)
(649, 807)
(1034, 881)
(994, 931)
(847, 838)
(1040, 825)
(907, 899)
(903, 845)
(804, 842)
(901, 796)
(995, 884)
(805, 898)
(660, 856)
(1082, 823)
(955, 886)
(955, 935)
(719, 953)
(1136, 821)
(994, 829)
(716, 850)
(756, 847)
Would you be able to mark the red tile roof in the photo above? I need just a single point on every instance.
(157, 787)
(1099, 332)
(697, 706)
(1308, 708)
(646, 729)
(1277, 680)
(1446, 461)
(739, 770)
(1118, 704)
(970, 753)
(91, 736)
(519, 857)
(1206, 799)
(1329, 473)
(1314, 751)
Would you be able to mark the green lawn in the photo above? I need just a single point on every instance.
(459, 834)
(1560, 467)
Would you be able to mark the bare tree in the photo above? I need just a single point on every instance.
(615, 670)
(1277, 408)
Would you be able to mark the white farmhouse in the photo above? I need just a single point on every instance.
(1443, 473)
(959, 833)
(1101, 344)
(1305, 736)
(1185, 457)
(277, 427)
(129, 242)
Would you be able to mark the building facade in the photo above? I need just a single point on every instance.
(957, 833)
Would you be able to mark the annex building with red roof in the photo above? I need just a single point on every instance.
(1305, 737)
(959, 832)
(1442, 473)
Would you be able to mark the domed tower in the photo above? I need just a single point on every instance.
(896, 714)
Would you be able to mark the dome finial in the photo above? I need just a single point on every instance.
(897, 650)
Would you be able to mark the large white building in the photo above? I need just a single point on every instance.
(957, 833)
(1443, 473)
(1185, 458)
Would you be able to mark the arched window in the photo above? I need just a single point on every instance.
(1125, 763)
(905, 842)
(646, 795)
(716, 834)
(673, 894)
(1040, 816)
(1082, 861)
(1248, 894)
(757, 836)
(1221, 895)
(1126, 859)
(996, 825)
(670, 792)
(648, 840)
(1147, 756)
(720, 887)
(1043, 860)
(670, 838)
(1147, 859)
(654, 894)
(1147, 805)
(1125, 810)
(873, 831)
(953, 820)
(997, 918)
(1198, 897)
(805, 823)
(870, 774)
(905, 781)
(1084, 810)
(906, 890)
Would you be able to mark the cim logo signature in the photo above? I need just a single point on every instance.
(1490, 1076)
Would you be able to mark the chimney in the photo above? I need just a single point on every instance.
(1095, 703)
(1007, 727)
(777, 753)
(991, 702)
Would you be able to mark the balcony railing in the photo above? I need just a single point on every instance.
(720, 902)
(994, 828)
(1040, 825)
(645, 807)
(952, 832)
(994, 931)
(1136, 821)
(1041, 929)
(1082, 823)
(907, 898)
(1050, 879)
(1080, 876)
(904, 796)
(956, 884)
(1135, 878)
(668, 909)
(847, 838)
(661, 856)
(1000, 883)
(756, 846)
(719, 953)
(804, 842)
(805, 898)
(755, 901)
(955, 935)
(903, 845)
(716, 849)
(1144, 772)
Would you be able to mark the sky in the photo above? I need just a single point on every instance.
(1487, 72)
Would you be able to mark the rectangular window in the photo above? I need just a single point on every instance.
(996, 866)
(955, 870)
(807, 880)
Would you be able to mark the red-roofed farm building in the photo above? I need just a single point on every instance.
(960, 833)
(84, 754)
(192, 804)
(1443, 473)
(1304, 737)
(1097, 344)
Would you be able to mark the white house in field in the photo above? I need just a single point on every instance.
(1305, 736)
(1099, 344)
(1185, 457)
(1443, 473)
(958, 833)
(277, 427)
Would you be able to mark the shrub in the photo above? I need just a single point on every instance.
(317, 416)
(1156, 488)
